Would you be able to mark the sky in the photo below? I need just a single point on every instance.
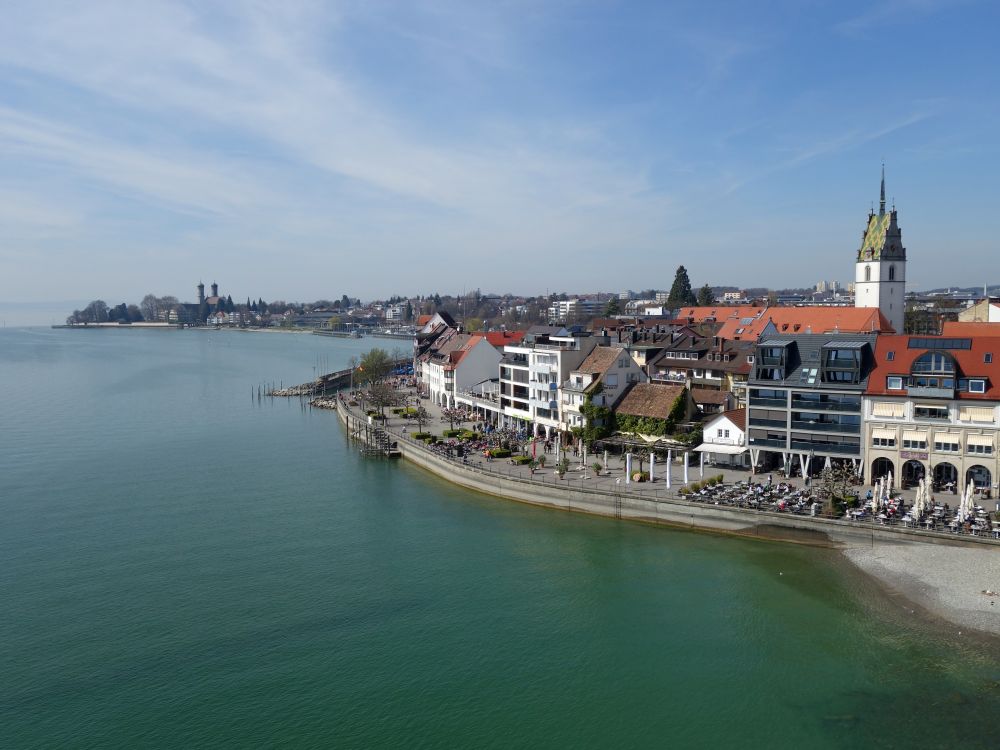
(305, 150)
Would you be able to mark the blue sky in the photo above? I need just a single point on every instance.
(305, 150)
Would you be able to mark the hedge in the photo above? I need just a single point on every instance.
(421, 435)
(500, 453)
(451, 433)
(521, 460)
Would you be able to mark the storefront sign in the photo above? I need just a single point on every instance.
(914, 454)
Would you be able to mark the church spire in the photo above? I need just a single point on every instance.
(881, 203)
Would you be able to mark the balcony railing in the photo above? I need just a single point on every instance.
(757, 422)
(766, 443)
(754, 401)
(826, 448)
(824, 406)
(925, 392)
(854, 429)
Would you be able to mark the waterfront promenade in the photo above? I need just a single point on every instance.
(952, 577)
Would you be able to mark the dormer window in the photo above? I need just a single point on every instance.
(889, 356)
(977, 386)
(988, 358)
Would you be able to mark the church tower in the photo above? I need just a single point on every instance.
(880, 271)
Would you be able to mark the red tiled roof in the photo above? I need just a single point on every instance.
(971, 363)
(963, 328)
(500, 338)
(808, 319)
(423, 320)
(737, 416)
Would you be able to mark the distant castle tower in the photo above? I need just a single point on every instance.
(880, 270)
(201, 293)
(215, 287)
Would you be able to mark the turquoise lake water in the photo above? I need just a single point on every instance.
(182, 566)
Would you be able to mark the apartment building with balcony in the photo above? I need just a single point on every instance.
(805, 400)
(463, 361)
(931, 410)
(532, 371)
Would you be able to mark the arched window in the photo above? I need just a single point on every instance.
(892, 273)
(868, 273)
(934, 362)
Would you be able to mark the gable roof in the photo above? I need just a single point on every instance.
(599, 360)
(650, 400)
(737, 416)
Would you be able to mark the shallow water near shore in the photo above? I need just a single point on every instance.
(184, 565)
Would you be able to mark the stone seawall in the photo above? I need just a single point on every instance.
(561, 495)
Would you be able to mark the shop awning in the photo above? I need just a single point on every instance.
(980, 439)
(892, 409)
(732, 450)
(883, 434)
(907, 435)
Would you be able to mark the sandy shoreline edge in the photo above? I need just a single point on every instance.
(944, 580)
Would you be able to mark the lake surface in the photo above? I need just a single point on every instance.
(184, 566)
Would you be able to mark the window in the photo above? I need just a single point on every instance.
(889, 356)
(946, 446)
(930, 412)
(934, 362)
(915, 444)
(868, 273)
(981, 450)
(977, 386)
(612, 380)
(718, 432)
(884, 442)
(621, 363)
(988, 358)
(726, 433)
(894, 383)
(892, 273)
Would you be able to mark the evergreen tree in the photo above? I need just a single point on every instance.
(612, 308)
(229, 304)
(681, 293)
(705, 296)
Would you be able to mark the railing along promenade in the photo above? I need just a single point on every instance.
(643, 501)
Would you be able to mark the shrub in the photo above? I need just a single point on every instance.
(695, 486)
(468, 435)
(521, 460)
(685, 491)
(421, 435)
(541, 460)
(596, 466)
(500, 453)
(640, 476)
(398, 411)
(719, 478)
(451, 433)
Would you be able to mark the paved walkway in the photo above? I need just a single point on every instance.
(612, 478)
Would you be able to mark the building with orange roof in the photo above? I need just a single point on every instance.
(931, 410)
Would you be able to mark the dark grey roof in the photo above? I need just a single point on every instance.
(807, 352)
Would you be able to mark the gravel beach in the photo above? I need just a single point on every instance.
(957, 584)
